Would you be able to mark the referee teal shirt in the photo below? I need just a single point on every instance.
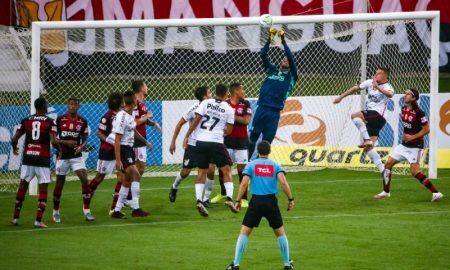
(263, 173)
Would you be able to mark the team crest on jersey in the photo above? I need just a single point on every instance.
(78, 128)
(410, 118)
(240, 110)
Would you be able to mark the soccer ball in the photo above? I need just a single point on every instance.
(265, 21)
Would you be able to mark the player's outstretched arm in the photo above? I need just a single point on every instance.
(176, 132)
(265, 50)
(349, 91)
(290, 57)
(286, 189)
(154, 124)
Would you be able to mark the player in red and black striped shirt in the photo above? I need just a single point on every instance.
(73, 131)
(142, 117)
(106, 157)
(40, 131)
(237, 141)
(415, 127)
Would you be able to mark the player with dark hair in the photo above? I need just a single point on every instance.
(189, 158)
(415, 127)
(214, 119)
(123, 135)
(40, 131)
(237, 141)
(276, 87)
(73, 131)
(106, 159)
(370, 121)
(263, 173)
(143, 118)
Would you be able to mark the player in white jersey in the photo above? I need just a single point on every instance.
(370, 121)
(123, 132)
(214, 119)
(189, 158)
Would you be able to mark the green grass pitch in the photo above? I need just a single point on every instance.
(335, 225)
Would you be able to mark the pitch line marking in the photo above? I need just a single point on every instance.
(221, 220)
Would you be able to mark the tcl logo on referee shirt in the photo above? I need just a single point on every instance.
(264, 170)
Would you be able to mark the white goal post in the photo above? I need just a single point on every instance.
(431, 19)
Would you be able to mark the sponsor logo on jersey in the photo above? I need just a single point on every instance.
(215, 108)
(276, 77)
(69, 133)
(264, 170)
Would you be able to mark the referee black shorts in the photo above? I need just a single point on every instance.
(263, 206)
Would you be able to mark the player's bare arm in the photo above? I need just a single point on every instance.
(191, 129)
(385, 92)
(101, 136)
(117, 140)
(15, 141)
(424, 131)
(242, 190)
(80, 148)
(349, 91)
(286, 189)
(139, 137)
(176, 132)
(154, 124)
(55, 144)
(244, 120)
(228, 129)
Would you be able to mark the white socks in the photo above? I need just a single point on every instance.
(135, 192)
(359, 123)
(123, 194)
(199, 187)
(376, 159)
(208, 188)
(229, 188)
(177, 181)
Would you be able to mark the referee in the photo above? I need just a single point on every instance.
(264, 174)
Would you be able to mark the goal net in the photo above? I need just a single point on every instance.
(91, 59)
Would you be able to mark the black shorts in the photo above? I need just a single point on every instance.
(127, 156)
(375, 122)
(207, 152)
(263, 206)
(189, 158)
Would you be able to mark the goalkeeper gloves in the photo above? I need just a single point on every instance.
(281, 34)
(272, 33)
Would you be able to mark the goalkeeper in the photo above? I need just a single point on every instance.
(276, 87)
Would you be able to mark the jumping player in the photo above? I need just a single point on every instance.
(370, 121)
(276, 87)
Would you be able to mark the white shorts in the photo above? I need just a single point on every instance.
(64, 165)
(238, 156)
(401, 153)
(140, 153)
(42, 174)
(106, 166)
